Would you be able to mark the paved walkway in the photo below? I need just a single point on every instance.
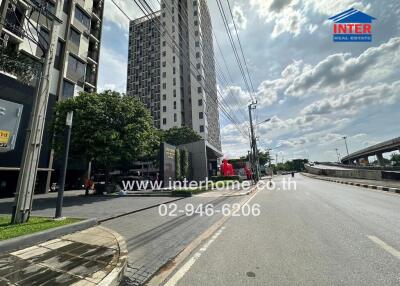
(96, 256)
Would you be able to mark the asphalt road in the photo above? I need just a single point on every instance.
(322, 233)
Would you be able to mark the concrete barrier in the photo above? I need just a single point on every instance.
(350, 173)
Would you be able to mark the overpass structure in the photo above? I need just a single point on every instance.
(376, 150)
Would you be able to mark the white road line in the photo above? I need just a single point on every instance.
(186, 267)
(385, 246)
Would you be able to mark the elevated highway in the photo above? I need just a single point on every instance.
(376, 150)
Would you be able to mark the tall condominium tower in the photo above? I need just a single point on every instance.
(24, 35)
(171, 67)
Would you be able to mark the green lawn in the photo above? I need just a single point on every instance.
(35, 224)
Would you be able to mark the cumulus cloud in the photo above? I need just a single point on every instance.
(356, 100)
(235, 97)
(291, 15)
(115, 15)
(340, 69)
(239, 17)
(112, 71)
(267, 92)
(282, 13)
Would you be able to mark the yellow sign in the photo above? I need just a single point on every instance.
(4, 138)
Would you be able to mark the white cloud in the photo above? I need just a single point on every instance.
(239, 17)
(291, 15)
(340, 69)
(113, 69)
(267, 92)
(115, 15)
(357, 100)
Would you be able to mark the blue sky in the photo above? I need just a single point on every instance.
(315, 90)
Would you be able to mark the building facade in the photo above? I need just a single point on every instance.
(75, 58)
(171, 68)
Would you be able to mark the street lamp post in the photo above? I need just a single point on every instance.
(337, 154)
(345, 142)
(60, 196)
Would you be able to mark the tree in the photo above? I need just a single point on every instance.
(263, 157)
(177, 164)
(180, 135)
(107, 128)
(395, 159)
(185, 164)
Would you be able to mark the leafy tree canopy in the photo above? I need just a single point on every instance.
(107, 128)
(180, 135)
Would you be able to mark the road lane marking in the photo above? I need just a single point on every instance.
(186, 267)
(385, 246)
(160, 278)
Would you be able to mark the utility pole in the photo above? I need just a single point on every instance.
(345, 142)
(337, 154)
(34, 134)
(253, 141)
(60, 197)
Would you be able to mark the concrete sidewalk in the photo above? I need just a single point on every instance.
(95, 256)
(386, 185)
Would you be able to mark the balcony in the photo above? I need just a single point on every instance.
(95, 30)
(90, 77)
(13, 25)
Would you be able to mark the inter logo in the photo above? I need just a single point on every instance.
(352, 26)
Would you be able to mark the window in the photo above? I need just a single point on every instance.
(173, 28)
(59, 54)
(164, 53)
(164, 64)
(196, 23)
(199, 89)
(201, 128)
(164, 85)
(164, 121)
(82, 17)
(164, 97)
(66, 6)
(164, 74)
(75, 37)
(200, 102)
(174, 81)
(44, 39)
(50, 7)
(76, 67)
(175, 117)
(173, 70)
(197, 54)
(197, 44)
(173, 59)
(164, 109)
(174, 92)
(164, 43)
(195, 13)
(68, 89)
(174, 104)
(201, 115)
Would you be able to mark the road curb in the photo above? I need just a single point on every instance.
(115, 276)
(25, 241)
(375, 187)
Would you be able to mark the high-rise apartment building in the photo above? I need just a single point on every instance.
(171, 67)
(74, 65)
